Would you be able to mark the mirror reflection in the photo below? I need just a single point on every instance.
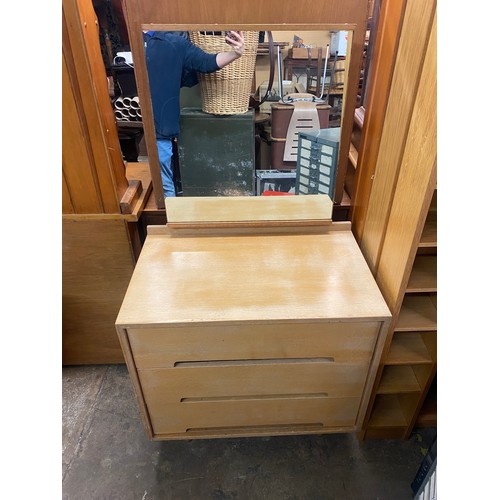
(247, 113)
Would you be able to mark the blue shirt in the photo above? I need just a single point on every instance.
(172, 62)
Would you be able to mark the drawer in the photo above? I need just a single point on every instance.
(232, 417)
(313, 150)
(314, 177)
(164, 347)
(228, 393)
(237, 416)
(250, 379)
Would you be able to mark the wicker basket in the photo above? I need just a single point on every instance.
(227, 91)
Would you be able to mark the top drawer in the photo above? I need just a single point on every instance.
(167, 346)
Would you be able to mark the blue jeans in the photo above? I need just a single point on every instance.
(165, 157)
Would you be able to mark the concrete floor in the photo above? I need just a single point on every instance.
(106, 455)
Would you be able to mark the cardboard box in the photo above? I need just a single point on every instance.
(289, 87)
(303, 53)
(281, 181)
(338, 43)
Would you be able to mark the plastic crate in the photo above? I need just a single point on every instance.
(277, 181)
(317, 159)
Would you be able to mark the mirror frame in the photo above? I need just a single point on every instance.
(252, 15)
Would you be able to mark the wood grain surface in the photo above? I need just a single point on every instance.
(254, 278)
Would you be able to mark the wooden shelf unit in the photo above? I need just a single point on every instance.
(403, 397)
(395, 219)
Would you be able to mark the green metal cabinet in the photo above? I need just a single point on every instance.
(216, 153)
(317, 159)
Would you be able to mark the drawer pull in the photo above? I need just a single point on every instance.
(246, 362)
(255, 397)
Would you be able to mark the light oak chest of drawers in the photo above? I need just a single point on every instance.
(252, 331)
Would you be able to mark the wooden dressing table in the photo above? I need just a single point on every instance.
(249, 316)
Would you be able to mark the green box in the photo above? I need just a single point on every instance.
(216, 153)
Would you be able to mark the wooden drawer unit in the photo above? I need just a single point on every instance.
(317, 160)
(241, 333)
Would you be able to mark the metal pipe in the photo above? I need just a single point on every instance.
(280, 76)
(324, 71)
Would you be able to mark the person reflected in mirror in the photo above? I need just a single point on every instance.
(172, 62)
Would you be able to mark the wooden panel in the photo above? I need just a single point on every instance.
(97, 265)
(109, 180)
(415, 187)
(289, 277)
(78, 169)
(380, 75)
(113, 182)
(252, 15)
(248, 208)
(397, 146)
(67, 205)
(351, 171)
(256, 11)
(163, 347)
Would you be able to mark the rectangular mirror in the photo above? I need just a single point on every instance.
(267, 124)
(256, 16)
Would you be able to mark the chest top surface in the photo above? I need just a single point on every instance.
(186, 279)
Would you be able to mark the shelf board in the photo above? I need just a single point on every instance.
(398, 379)
(263, 47)
(353, 155)
(418, 313)
(429, 233)
(423, 277)
(408, 348)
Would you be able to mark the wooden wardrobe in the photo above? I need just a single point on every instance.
(101, 198)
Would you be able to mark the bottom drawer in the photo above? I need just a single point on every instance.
(233, 416)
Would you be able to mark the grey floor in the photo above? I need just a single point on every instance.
(107, 455)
